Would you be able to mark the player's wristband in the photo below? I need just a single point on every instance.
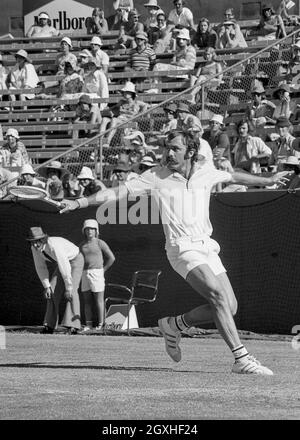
(82, 203)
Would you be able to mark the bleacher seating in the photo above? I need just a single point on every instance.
(46, 134)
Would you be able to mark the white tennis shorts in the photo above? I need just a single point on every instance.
(93, 280)
(189, 253)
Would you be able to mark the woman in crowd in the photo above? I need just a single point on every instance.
(95, 81)
(97, 24)
(22, 75)
(13, 153)
(211, 67)
(72, 83)
(271, 25)
(204, 36)
(65, 55)
(249, 151)
(87, 182)
(54, 173)
(98, 258)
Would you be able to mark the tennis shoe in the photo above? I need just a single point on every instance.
(172, 339)
(250, 365)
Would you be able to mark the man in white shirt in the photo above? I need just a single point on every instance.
(181, 15)
(183, 188)
(67, 275)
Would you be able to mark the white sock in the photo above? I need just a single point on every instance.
(240, 352)
(177, 323)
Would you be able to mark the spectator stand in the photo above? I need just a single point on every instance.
(49, 136)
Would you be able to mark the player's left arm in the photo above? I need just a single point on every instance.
(244, 178)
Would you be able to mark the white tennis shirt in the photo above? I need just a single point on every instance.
(183, 204)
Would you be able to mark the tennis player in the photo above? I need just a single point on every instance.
(183, 189)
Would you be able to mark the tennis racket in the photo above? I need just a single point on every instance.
(24, 192)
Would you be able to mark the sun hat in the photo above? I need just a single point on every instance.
(22, 53)
(96, 40)
(43, 15)
(90, 223)
(85, 53)
(152, 3)
(36, 233)
(182, 107)
(86, 173)
(13, 132)
(148, 161)
(67, 40)
(282, 86)
(258, 88)
(142, 36)
(134, 135)
(184, 34)
(170, 108)
(129, 87)
(282, 121)
(85, 99)
(291, 160)
(217, 118)
(27, 169)
(54, 165)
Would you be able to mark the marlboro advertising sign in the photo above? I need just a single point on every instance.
(68, 16)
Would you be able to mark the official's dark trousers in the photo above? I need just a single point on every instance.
(72, 311)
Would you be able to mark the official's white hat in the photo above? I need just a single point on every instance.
(90, 223)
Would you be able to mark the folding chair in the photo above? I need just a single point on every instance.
(143, 289)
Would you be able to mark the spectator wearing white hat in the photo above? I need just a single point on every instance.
(95, 81)
(101, 57)
(87, 182)
(97, 24)
(136, 148)
(142, 57)
(147, 163)
(125, 109)
(153, 8)
(230, 36)
(65, 55)
(28, 177)
(217, 138)
(23, 75)
(181, 15)
(184, 56)
(43, 28)
(13, 153)
(117, 20)
(98, 258)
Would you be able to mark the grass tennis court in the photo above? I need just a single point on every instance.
(120, 377)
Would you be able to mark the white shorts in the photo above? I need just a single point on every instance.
(189, 253)
(93, 280)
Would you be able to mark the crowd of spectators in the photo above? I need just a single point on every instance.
(263, 140)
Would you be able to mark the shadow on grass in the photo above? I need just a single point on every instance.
(97, 367)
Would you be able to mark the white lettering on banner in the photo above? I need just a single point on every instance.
(68, 16)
